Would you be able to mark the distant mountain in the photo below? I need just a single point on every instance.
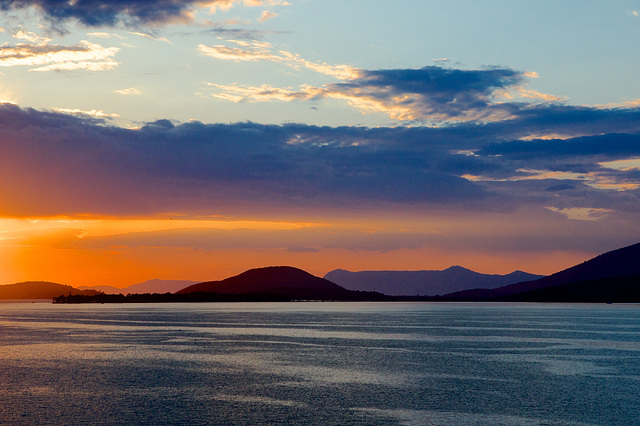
(423, 283)
(150, 286)
(282, 281)
(598, 276)
(40, 290)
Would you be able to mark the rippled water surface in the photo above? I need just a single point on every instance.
(319, 363)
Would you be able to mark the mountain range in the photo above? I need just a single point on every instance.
(610, 277)
(424, 283)
(149, 286)
(40, 290)
(282, 281)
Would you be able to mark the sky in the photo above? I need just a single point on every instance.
(193, 140)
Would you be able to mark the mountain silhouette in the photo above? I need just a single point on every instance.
(616, 272)
(423, 283)
(149, 286)
(283, 281)
(40, 290)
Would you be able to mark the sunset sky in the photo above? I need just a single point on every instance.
(184, 139)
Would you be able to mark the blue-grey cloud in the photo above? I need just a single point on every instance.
(52, 163)
(107, 12)
(434, 91)
(613, 144)
(430, 94)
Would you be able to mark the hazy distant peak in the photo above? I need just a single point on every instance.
(457, 268)
(423, 283)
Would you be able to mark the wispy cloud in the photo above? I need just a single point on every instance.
(84, 55)
(151, 37)
(582, 213)
(266, 15)
(263, 51)
(105, 35)
(91, 113)
(128, 91)
(32, 37)
(433, 94)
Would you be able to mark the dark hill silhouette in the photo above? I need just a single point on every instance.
(40, 290)
(612, 290)
(423, 283)
(605, 268)
(283, 281)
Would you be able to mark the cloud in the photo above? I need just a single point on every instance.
(105, 35)
(582, 213)
(92, 113)
(32, 37)
(66, 164)
(97, 13)
(249, 51)
(47, 57)
(150, 37)
(263, 51)
(291, 240)
(266, 15)
(224, 30)
(128, 91)
(432, 94)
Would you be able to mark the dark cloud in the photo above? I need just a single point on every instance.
(606, 146)
(107, 12)
(53, 163)
(453, 92)
(433, 94)
(494, 98)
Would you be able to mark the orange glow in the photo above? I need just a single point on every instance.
(119, 253)
(120, 268)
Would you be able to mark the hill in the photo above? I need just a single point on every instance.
(40, 290)
(597, 276)
(284, 281)
(609, 290)
(423, 283)
(150, 286)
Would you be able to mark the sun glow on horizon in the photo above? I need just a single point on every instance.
(89, 251)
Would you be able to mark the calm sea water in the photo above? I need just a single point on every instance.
(320, 363)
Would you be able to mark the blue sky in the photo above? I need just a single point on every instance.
(582, 52)
(498, 135)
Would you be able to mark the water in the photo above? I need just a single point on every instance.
(320, 363)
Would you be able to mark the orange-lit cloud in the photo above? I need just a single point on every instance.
(582, 213)
(128, 91)
(46, 57)
(594, 179)
(432, 94)
(92, 113)
(263, 51)
(266, 15)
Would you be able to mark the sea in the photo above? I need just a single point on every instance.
(319, 363)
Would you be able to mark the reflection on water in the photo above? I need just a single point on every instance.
(319, 363)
